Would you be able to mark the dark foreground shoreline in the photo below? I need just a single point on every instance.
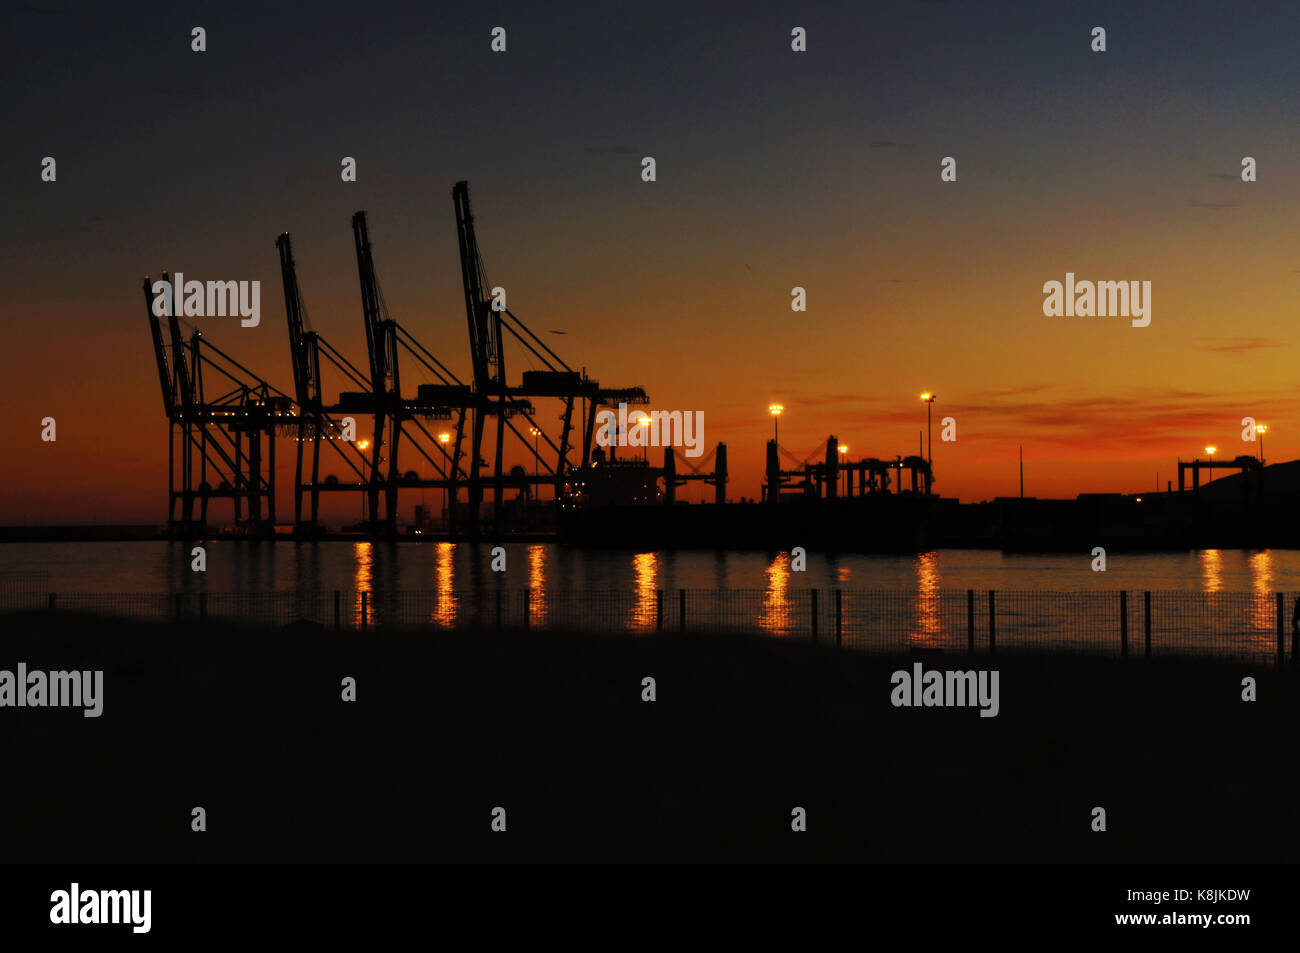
(249, 724)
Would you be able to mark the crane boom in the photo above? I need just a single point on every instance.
(385, 385)
(183, 386)
(160, 352)
(305, 381)
(484, 323)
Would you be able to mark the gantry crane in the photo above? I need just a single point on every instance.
(222, 433)
(220, 437)
(385, 381)
(489, 322)
(316, 420)
(398, 419)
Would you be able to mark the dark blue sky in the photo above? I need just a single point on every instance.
(775, 170)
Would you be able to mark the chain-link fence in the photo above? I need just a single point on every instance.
(1243, 625)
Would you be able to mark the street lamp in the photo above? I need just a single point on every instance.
(929, 407)
(644, 421)
(844, 449)
(776, 410)
(444, 438)
(536, 456)
(929, 451)
(1261, 429)
(362, 445)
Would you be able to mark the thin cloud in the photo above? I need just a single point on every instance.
(1138, 423)
(1012, 391)
(1119, 421)
(837, 399)
(1114, 422)
(1243, 344)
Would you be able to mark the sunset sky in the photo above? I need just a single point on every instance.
(775, 169)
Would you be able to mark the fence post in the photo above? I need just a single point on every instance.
(659, 610)
(498, 610)
(1281, 631)
(814, 614)
(528, 608)
(337, 620)
(1146, 623)
(681, 609)
(203, 606)
(993, 626)
(839, 618)
(1123, 623)
(51, 602)
(970, 621)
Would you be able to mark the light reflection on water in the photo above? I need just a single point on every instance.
(644, 612)
(1212, 569)
(454, 581)
(537, 583)
(363, 576)
(1262, 585)
(444, 609)
(927, 633)
(238, 566)
(776, 614)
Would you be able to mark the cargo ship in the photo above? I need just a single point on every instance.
(835, 505)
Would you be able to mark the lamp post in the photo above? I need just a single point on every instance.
(444, 438)
(776, 410)
(1261, 429)
(536, 457)
(363, 445)
(643, 421)
(844, 449)
(1210, 451)
(929, 445)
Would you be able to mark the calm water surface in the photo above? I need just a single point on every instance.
(1211, 601)
(243, 566)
